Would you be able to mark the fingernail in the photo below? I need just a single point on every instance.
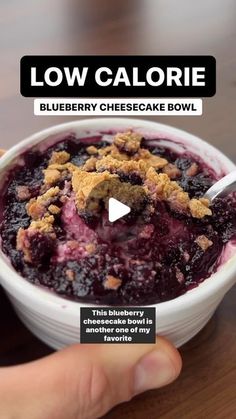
(154, 370)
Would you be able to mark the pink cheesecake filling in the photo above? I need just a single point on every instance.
(78, 235)
(73, 224)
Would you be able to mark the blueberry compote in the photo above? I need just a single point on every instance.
(55, 227)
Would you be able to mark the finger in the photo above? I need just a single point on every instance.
(85, 381)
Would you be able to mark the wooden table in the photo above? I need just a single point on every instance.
(207, 385)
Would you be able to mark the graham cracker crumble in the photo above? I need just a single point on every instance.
(199, 208)
(203, 242)
(51, 176)
(90, 248)
(59, 157)
(112, 283)
(92, 150)
(23, 193)
(54, 209)
(162, 187)
(91, 189)
(116, 166)
(90, 165)
(151, 160)
(84, 183)
(65, 167)
(45, 225)
(128, 142)
(37, 207)
(116, 153)
(136, 164)
(172, 171)
(106, 150)
(192, 170)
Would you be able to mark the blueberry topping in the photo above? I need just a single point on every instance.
(154, 254)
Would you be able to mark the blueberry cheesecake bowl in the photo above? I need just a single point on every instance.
(174, 250)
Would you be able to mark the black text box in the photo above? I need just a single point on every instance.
(117, 325)
(91, 88)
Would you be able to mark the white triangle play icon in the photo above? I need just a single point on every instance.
(116, 209)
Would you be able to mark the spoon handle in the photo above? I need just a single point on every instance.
(223, 187)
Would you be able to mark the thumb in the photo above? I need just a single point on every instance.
(85, 381)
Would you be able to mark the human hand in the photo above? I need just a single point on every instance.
(85, 381)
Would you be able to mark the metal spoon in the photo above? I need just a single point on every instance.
(223, 187)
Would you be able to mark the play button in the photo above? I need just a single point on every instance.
(116, 210)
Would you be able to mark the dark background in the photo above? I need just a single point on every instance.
(207, 385)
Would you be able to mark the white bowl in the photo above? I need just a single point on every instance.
(56, 320)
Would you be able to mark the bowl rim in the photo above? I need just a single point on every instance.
(40, 296)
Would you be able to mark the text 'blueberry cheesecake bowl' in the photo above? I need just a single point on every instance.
(56, 232)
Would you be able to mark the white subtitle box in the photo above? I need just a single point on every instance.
(118, 107)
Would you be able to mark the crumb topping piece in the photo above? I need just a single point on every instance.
(91, 189)
(86, 184)
(37, 207)
(106, 150)
(90, 248)
(69, 167)
(151, 160)
(112, 283)
(136, 165)
(192, 170)
(162, 187)
(59, 157)
(54, 209)
(128, 142)
(23, 193)
(116, 166)
(203, 242)
(199, 208)
(92, 150)
(51, 176)
(90, 165)
(114, 152)
(172, 171)
(45, 225)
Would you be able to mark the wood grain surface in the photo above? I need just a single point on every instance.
(207, 385)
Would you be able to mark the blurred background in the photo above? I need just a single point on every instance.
(119, 27)
(207, 386)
